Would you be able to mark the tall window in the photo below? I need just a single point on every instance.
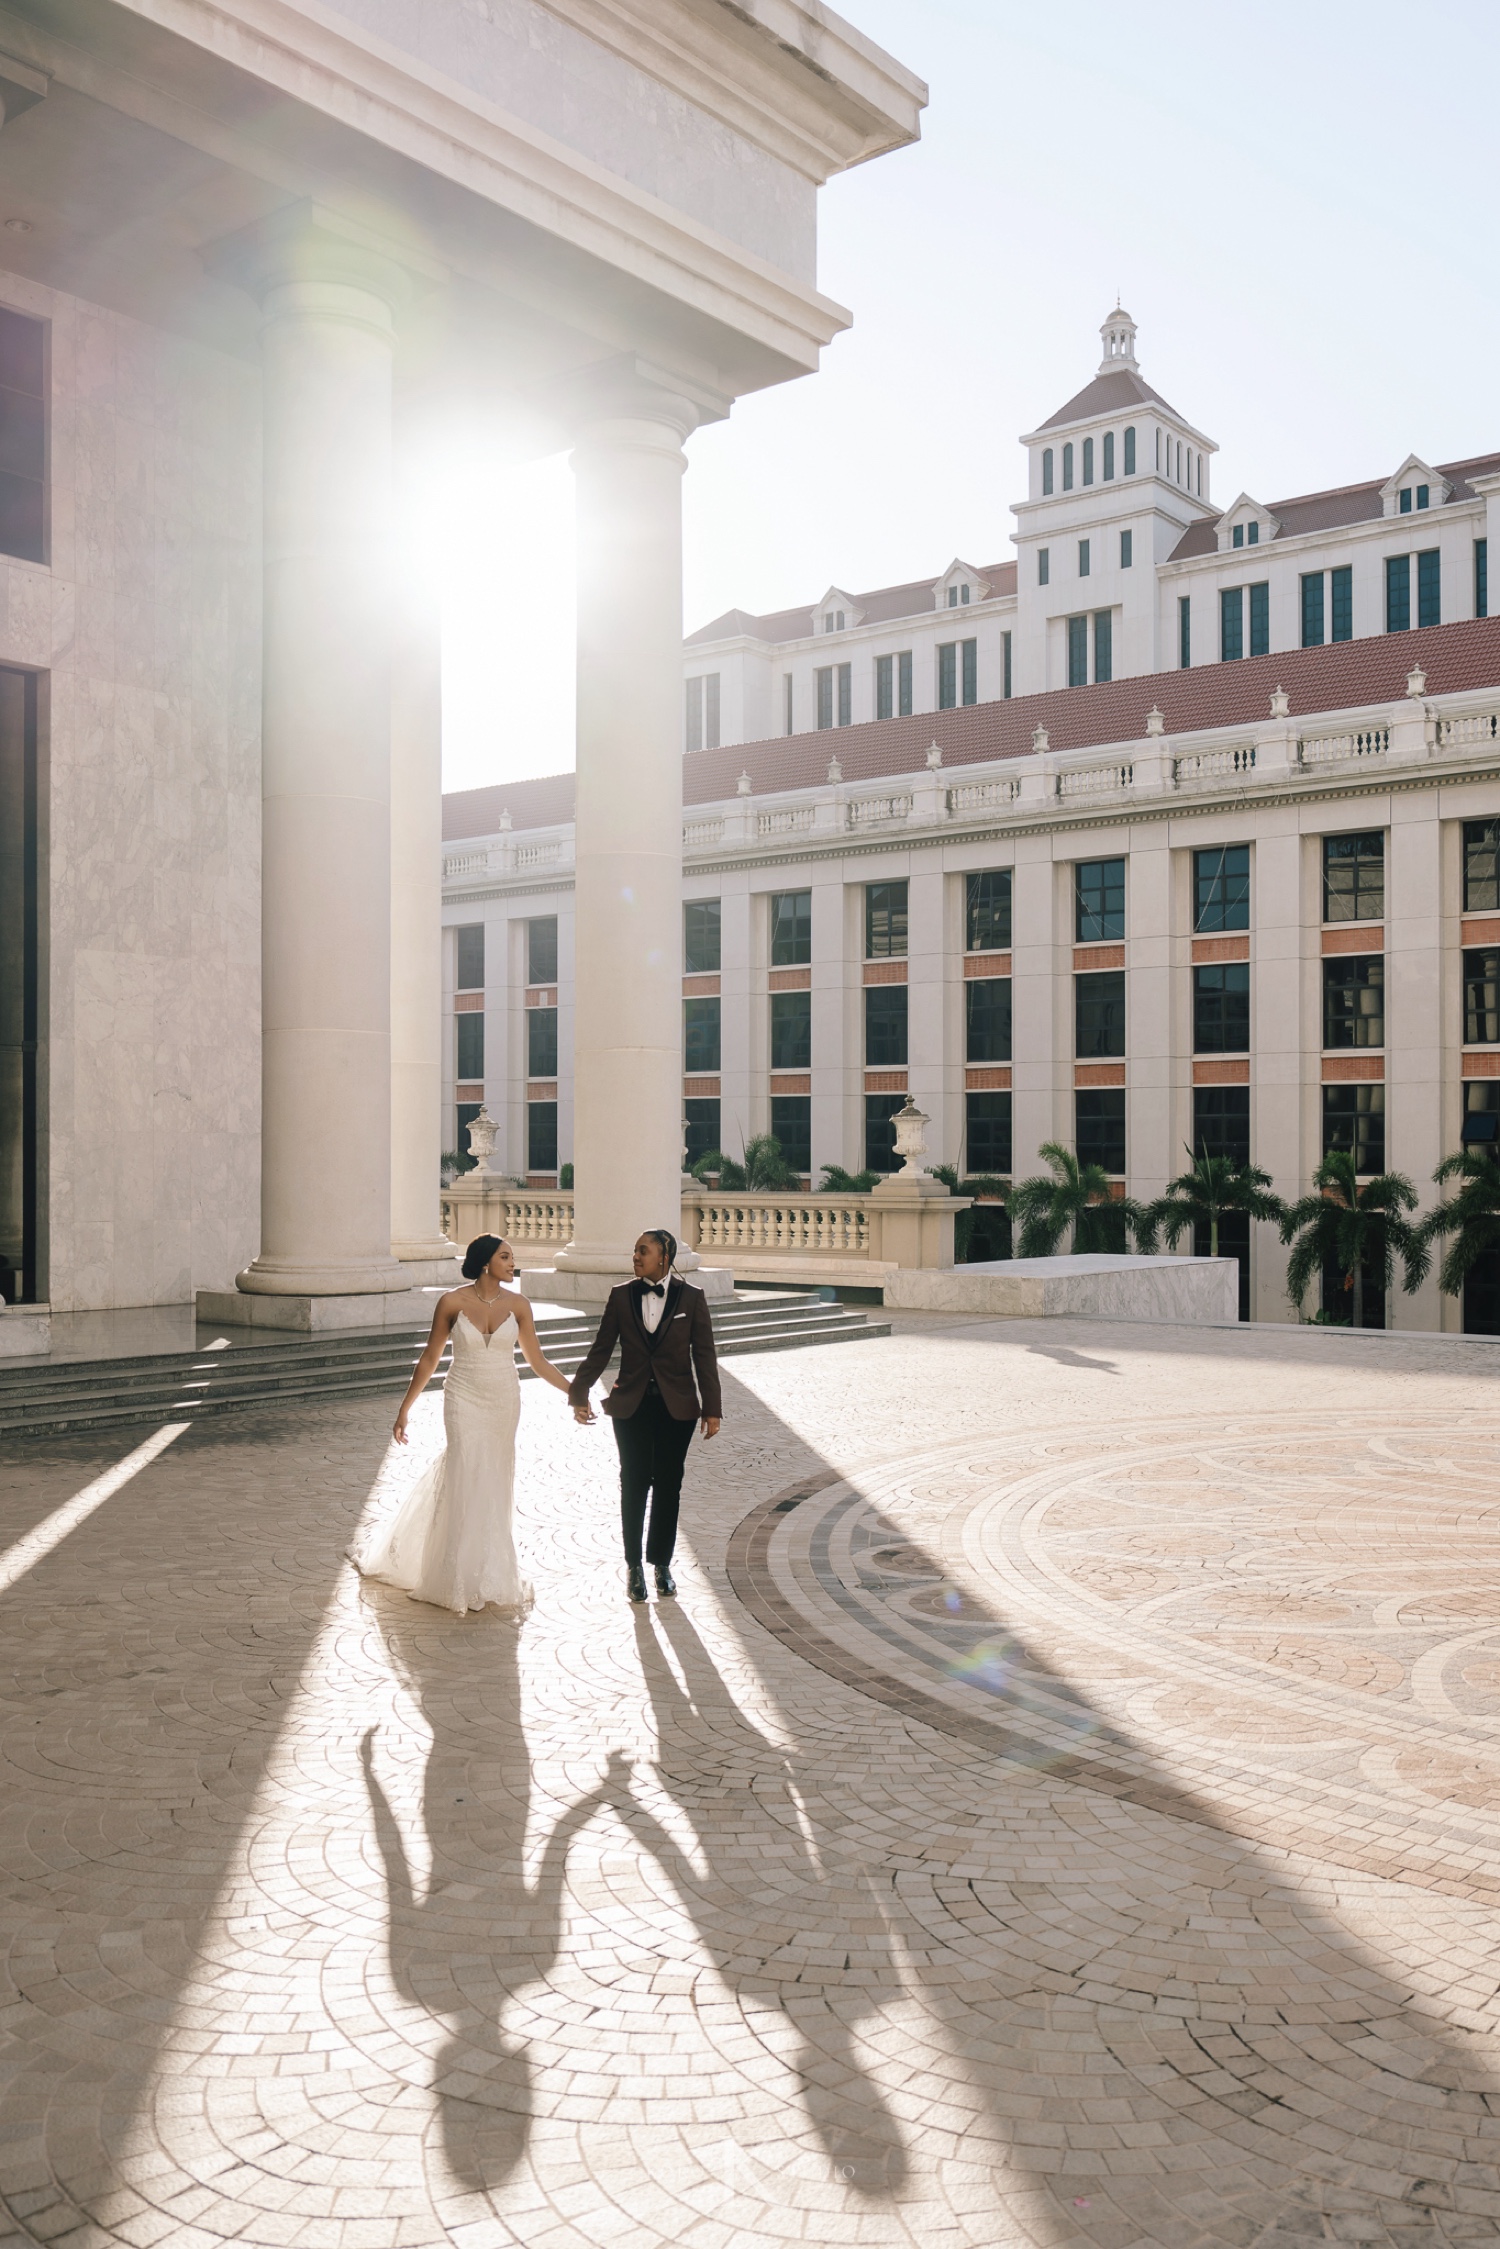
(1221, 1008)
(701, 936)
(466, 1112)
(1127, 549)
(1481, 577)
(1354, 1122)
(885, 1026)
(1312, 609)
(791, 928)
(1221, 1123)
(786, 703)
(1221, 889)
(700, 1118)
(987, 1019)
(1398, 593)
(987, 911)
(885, 920)
(1005, 666)
(1046, 471)
(541, 1042)
(1130, 452)
(1099, 1015)
(1231, 623)
(470, 1047)
(1098, 901)
(958, 597)
(987, 1134)
(1260, 617)
(1482, 866)
(958, 673)
(1341, 604)
(1044, 566)
(1109, 455)
(1482, 997)
(968, 666)
(700, 1037)
(893, 685)
(1078, 651)
(1067, 468)
(23, 437)
(880, 1133)
(1354, 877)
(835, 685)
(1184, 631)
(703, 712)
(1083, 558)
(541, 950)
(541, 1136)
(791, 1030)
(1099, 1127)
(470, 957)
(1430, 587)
(791, 1124)
(1088, 460)
(1104, 644)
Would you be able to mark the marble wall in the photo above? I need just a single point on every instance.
(147, 624)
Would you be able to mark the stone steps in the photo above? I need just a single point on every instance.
(189, 1385)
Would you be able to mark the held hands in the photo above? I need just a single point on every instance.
(710, 1425)
(583, 1414)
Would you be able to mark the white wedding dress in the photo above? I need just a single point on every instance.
(452, 1540)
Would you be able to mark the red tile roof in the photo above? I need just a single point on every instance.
(1349, 675)
(1331, 510)
(882, 606)
(1114, 393)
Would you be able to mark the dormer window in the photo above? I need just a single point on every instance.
(1130, 452)
(1422, 495)
(1067, 468)
(1046, 472)
(1252, 535)
(1238, 535)
(1088, 460)
(1406, 500)
(958, 597)
(1109, 455)
(833, 621)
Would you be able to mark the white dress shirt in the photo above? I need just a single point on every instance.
(652, 1308)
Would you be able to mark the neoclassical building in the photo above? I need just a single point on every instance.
(1178, 832)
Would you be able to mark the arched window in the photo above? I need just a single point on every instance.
(1067, 468)
(1047, 471)
(1130, 452)
(1190, 469)
(1179, 460)
(1088, 460)
(1158, 452)
(1109, 454)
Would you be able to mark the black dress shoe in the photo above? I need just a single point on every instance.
(666, 1584)
(636, 1582)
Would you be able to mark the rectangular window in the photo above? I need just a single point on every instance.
(1005, 665)
(1405, 500)
(703, 712)
(786, 702)
(987, 911)
(1221, 889)
(702, 921)
(1481, 577)
(1398, 593)
(1354, 1121)
(700, 1037)
(23, 437)
(885, 687)
(1231, 623)
(1109, 456)
(791, 928)
(470, 1047)
(1482, 866)
(1482, 997)
(1341, 604)
(987, 1019)
(541, 950)
(987, 1134)
(1078, 651)
(1099, 1127)
(823, 683)
(948, 676)
(1044, 566)
(541, 1136)
(1422, 495)
(1312, 609)
(1430, 587)
(885, 1026)
(903, 684)
(1354, 999)
(1221, 1008)
(791, 1030)
(846, 694)
(1099, 901)
(1099, 1015)
(467, 1111)
(1184, 632)
(541, 1042)
(1354, 877)
(1252, 535)
(700, 1121)
(471, 957)
(1104, 644)
(885, 920)
(693, 727)
(1127, 549)
(1260, 618)
(880, 1133)
(1221, 1121)
(1083, 558)
(791, 1124)
(969, 670)
(1237, 536)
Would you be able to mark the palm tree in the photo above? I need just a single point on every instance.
(764, 1170)
(1077, 1196)
(1353, 1228)
(1215, 1184)
(1472, 1217)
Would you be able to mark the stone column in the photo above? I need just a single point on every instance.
(627, 1047)
(327, 339)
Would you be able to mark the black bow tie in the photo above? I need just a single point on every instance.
(653, 1288)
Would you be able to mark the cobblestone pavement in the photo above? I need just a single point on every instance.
(1062, 1808)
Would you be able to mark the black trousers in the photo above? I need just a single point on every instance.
(653, 1452)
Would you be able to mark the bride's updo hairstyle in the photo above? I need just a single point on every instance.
(479, 1253)
(668, 1243)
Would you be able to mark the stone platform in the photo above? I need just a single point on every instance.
(318, 1315)
(1099, 1288)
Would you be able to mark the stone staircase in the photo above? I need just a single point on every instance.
(45, 1399)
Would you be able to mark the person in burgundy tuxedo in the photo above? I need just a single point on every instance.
(668, 1380)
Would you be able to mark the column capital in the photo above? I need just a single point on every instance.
(632, 389)
(307, 242)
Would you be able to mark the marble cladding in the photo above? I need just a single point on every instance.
(1187, 1289)
(147, 624)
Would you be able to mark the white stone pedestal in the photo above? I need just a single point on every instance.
(317, 1315)
(914, 1214)
(25, 1330)
(564, 1284)
(1189, 1290)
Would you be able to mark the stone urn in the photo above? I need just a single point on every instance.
(483, 1133)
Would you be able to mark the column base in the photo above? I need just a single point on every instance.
(317, 1315)
(25, 1330)
(282, 1276)
(566, 1284)
(429, 1264)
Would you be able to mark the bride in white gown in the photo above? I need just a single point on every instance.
(452, 1540)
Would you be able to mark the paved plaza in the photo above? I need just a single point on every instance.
(1061, 1809)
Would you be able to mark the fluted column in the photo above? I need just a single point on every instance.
(627, 1058)
(327, 340)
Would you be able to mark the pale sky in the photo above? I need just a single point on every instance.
(1297, 203)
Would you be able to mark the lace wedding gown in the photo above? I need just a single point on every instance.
(452, 1540)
